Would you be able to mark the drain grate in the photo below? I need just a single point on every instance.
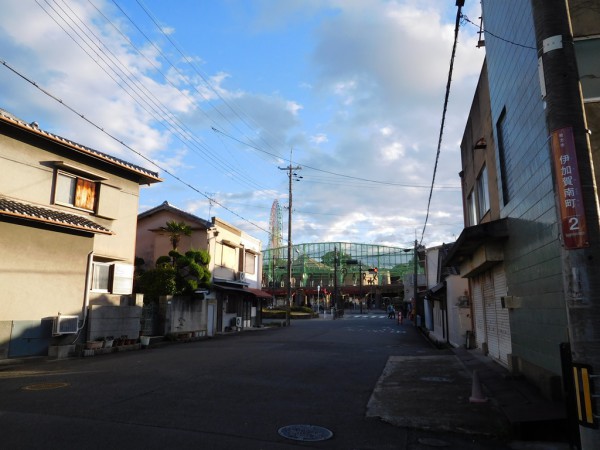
(44, 386)
(307, 433)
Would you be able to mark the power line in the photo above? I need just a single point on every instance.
(437, 156)
(466, 19)
(136, 90)
(195, 69)
(141, 155)
(337, 174)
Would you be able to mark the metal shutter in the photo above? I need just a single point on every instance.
(504, 338)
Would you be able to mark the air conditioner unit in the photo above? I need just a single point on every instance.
(238, 322)
(64, 325)
(242, 276)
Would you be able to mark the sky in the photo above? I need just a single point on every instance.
(220, 97)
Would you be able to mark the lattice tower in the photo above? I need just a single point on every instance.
(275, 226)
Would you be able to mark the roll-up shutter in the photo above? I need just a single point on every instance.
(504, 338)
(478, 313)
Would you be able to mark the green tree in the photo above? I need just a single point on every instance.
(156, 282)
(176, 230)
(192, 271)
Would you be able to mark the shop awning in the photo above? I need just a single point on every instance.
(245, 290)
(259, 293)
(473, 237)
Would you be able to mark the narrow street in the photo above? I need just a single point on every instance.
(229, 392)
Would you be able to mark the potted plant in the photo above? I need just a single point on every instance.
(108, 341)
(93, 345)
(145, 341)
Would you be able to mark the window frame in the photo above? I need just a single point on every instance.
(483, 193)
(96, 265)
(77, 186)
(472, 218)
(250, 259)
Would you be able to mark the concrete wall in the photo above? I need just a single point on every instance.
(114, 321)
(533, 269)
(42, 272)
(182, 314)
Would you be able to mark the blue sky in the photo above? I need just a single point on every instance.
(352, 89)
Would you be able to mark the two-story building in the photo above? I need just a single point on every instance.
(530, 248)
(234, 299)
(67, 236)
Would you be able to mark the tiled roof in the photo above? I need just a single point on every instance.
(19, 209)
(166, 206)
(148, 176)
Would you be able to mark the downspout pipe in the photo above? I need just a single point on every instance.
(88, 284)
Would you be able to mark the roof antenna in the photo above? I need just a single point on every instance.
(480, 42)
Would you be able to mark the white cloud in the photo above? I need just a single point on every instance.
(367, 104)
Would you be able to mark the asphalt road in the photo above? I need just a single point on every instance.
(229, 392)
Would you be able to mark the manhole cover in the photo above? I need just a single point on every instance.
(310, 433)
(44, 386)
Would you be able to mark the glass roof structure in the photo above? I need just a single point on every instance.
(320, 264)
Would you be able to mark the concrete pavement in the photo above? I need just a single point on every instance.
(438, 393)
(425, 388)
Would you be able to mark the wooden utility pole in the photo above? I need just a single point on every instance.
(291, 175)
(577, 208)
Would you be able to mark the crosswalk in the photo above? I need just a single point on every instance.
(365, 316)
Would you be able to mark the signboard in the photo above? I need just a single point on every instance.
(566, 171)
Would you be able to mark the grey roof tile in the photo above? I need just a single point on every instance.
(23, 210)
(148, 175)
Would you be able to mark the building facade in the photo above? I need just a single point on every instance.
(67, 236)
(234, 299)
(530, 150)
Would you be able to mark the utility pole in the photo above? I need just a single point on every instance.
(577, 219)
(291, 176)
(335, 280)
(416, 280)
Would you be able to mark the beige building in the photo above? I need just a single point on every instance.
(67, 235)
(234, 299)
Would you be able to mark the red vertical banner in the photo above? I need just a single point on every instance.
(566, 171)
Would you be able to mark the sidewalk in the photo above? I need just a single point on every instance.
(432, 392)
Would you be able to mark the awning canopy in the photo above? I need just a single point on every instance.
(473, 237)
(245, 290)
(260, 294)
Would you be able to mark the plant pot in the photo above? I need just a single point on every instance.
(145, 341)
(93, 345)
(108, 343)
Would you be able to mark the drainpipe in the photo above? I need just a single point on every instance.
(86, 293)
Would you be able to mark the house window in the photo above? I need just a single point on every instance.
(250, 265)
(75, 191)
(503, 148)
(227, 255)
(100, 276)
(471, 210)
(588, 65)
(483, 194)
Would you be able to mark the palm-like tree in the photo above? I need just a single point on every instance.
(176, 230)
